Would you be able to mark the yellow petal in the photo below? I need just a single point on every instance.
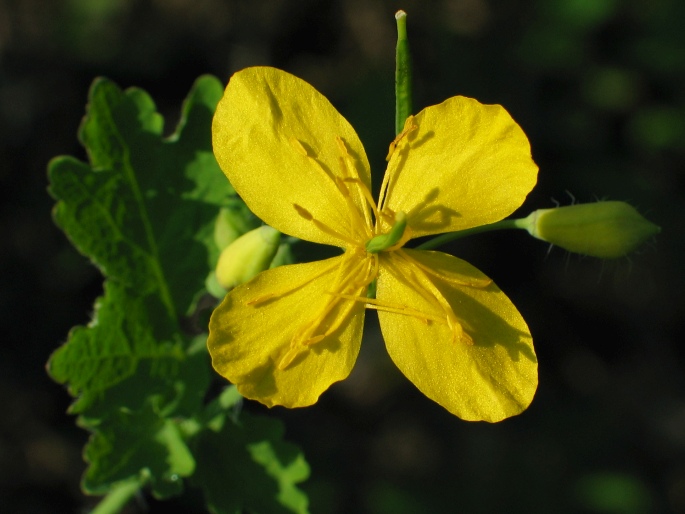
(251, 332)
(275, 138)
(465, 165)
(493, 378)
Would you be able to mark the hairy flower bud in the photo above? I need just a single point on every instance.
(245, 257)
(604, 229)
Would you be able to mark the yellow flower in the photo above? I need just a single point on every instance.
(284, 337)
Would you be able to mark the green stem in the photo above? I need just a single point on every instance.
(118, 497)
(403, 105)
(521, 223)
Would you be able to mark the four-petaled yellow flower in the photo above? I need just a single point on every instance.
(284, 337)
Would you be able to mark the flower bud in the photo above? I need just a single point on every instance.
(231, 223)
(603, 229)
(283, 256)
(245, 257)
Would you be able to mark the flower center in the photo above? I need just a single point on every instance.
(365, 239)
(392, 240)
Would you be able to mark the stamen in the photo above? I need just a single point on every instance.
(366, 194)
(297, 145)
(345, 281)
(359, 221)
(409, 126)
(323, 227)
(353, 210)
(261, 299)
(348, 166)
(388, 215)
(435, 295)
(478, 283)
(303, 212)
(283, 292)
(380, 305)
(370, 276)
(314, 340)
(350, 173)
(287, 358)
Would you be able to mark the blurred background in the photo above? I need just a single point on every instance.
(598, 87)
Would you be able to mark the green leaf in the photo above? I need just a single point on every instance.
(143, 211)
(140, 443)
(112, 347)
(245, 466)
(176, 387)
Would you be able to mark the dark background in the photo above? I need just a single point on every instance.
(598, 86)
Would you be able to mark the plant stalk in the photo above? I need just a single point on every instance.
(521, 223)
(118, 497)
(403, 100)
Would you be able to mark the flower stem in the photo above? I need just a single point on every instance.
(403, 105)
(521, 223)
(118, 497)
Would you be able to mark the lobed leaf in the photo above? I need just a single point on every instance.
(143, 211)
(245, 466)
(139, 443)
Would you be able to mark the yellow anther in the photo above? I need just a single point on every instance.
(314, 339)
(366, 194)
(409, 126)
(284, 291)
(388, 215)
(454, 326)
(297, 145)
(379, 305)
(260, 299)
(466, 339)
(391, 150)
(287, 358)
(475, 282)
(303, 212)
(343, 188)
(328, 320)
(341, 146)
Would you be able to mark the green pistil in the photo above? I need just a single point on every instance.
(384, 241)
